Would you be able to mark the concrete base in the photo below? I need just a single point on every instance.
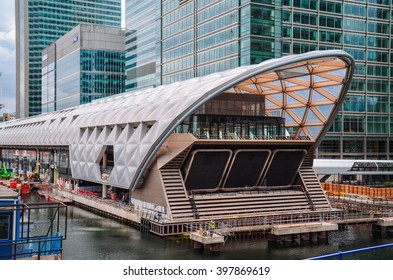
(303, 228)
(214, 241)
(206, 240)
(385, 222)
(301, 234)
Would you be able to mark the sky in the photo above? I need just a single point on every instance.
(7, 53)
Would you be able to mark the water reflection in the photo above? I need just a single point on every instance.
(92, 237)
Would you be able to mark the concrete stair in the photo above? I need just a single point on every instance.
(251, 203)
(312, 186)
(178, 200)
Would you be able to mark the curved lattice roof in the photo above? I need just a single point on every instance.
(305, 89)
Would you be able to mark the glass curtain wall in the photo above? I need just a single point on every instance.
(46, 22)
(363, 29)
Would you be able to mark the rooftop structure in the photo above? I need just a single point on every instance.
(204, 147)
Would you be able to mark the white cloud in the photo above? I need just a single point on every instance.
(8, 35)
(7, 54)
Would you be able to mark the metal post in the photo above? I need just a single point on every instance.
(28, 224)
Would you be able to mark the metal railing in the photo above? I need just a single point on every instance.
(30, 241)
(33, 248)
(234, 136)
(340, 255)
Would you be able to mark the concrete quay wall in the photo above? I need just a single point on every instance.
(121, 212)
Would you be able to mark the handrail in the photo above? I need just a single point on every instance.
(341, 254)
(234, 136)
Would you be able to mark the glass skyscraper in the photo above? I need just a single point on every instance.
(38, 24)
(141, 36)
(85, 64)
(198, 37)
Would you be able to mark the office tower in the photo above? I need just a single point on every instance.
(85, 64)
(38, 24)
(196, 38)
(141, 35)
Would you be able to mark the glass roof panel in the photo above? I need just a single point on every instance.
(269, 103)
(325, 110)
(292, 72)
(339, 72)
(316, 96)
(289, 84)
(278, 97)
(265, 88)
(314, 131)
(303, 93)
(291, 100)
(302, 133)
(289, 120)
(299, 112)
(311, 118)
(248, 88)
(334, 90)
(275, 113)
(318, 79)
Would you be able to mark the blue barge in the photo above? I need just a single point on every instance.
(20, 238)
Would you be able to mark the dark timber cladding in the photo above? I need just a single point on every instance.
(239, 143)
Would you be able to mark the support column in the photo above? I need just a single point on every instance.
(322, 237)
(104, 160)
(197, 245)
(104, 190)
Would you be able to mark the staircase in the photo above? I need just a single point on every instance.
(312, 186)
(179, 202)
(251, 203)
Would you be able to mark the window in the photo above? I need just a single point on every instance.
(4, 227)
(377, 104)
(376, 146)
(354, 124)
(353, 145)
(355, 10)
(329, 145)
(354, 103)
(377, 124)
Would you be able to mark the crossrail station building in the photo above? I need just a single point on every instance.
(231, 145)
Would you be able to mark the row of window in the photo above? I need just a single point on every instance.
(357, 124)
(354, 145)
(66, 4)
(101, 60)
(374, 85)
(202, 29)
(335, 22)
(361, 103)
(327, 5)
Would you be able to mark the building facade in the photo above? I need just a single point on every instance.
(38, 24)
(141, 43)
(85, 64)
(201, 37)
